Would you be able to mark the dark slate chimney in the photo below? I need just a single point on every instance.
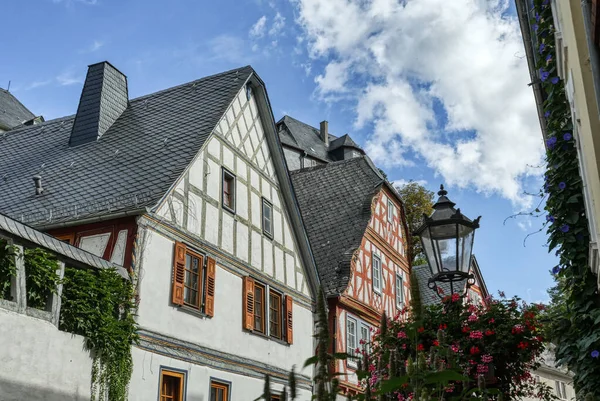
(325, 132)
(103, 99)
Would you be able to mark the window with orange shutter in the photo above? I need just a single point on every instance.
(194, 278)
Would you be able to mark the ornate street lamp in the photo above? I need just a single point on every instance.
(447, 237)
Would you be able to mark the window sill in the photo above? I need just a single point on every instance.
(266, 337)
(191, 311)
(229, 210)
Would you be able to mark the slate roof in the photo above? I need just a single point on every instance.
(20, 232)
(12, 112)
(428, 296)
(335, 202)
(128, 169)
(308, 138)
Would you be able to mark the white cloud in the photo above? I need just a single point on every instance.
(228, 48)
(38, 84)
(278, 25)
(68, 78)
(69, 2)
(400, 59)
(96, 45)
(258, 29)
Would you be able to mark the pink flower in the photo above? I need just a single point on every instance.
(491, 321)
(372, 380)
(401, 334)
(371, 368)
(487, 358)
(403, 346)
(476, 334)
(361, 342)
(357, 350)
(473, 318)
(517, 329)
(401, 397)
(454, 348)
(482, 369)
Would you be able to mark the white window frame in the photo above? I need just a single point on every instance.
(365, 329)
(399, 291)
(376, 288)
(390, 211)
(561, 390)
(351, 350)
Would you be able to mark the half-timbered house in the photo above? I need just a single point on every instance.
(358, 232)
(187, 188)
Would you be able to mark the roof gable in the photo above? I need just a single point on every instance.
(130, 168)
(12, 112)
(335, 201)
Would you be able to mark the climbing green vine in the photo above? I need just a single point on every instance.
(574, 315)
(98, 305)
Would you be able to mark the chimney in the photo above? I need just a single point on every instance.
(38, 184)
(103, 99)
(325, 132)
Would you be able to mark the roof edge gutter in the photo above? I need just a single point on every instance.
(535, 83)
(72, 223)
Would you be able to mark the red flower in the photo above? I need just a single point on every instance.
(440, 290)
(436, 343)
(523, 345)
(472, 362)
(489, 332)
(443, 326)
(421, 329)
(491, 321)
(466, 329)
(455, 297)
(420, 347)
(474, 350)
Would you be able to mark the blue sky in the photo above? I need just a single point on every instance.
(449, 104)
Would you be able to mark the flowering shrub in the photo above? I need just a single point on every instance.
(455, 349)
(575, 312)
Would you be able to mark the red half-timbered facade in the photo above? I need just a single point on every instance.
(358, 232)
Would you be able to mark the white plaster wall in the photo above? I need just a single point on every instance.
(39, 362)
(146, 376)
(223, 331)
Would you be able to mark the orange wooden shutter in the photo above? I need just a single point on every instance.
(248, 303)
(178, 273)
(209, 290)
(289, 321)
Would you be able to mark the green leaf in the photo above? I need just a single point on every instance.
(387, 386)
(311, 361)
(445, 376)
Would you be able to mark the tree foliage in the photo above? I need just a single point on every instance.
(417, 201)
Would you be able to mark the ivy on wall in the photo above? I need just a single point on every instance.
(575, 311)
(98, 305)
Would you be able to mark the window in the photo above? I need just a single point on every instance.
(267, 311)
(390, 211)
(364, 335)
(228, 190)
(399, 291)
(561, 391)
(275, 315)
(194, 278)
(275, 398)
(376, 272)
(171, 385)
(67, 238)
(351, 338)
(219, 391)
(259, 308)
(267, 218)
(248, 92)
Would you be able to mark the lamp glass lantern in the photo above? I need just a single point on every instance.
(447, 238)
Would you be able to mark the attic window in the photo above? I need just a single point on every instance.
(248, 92)
(228, 191)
